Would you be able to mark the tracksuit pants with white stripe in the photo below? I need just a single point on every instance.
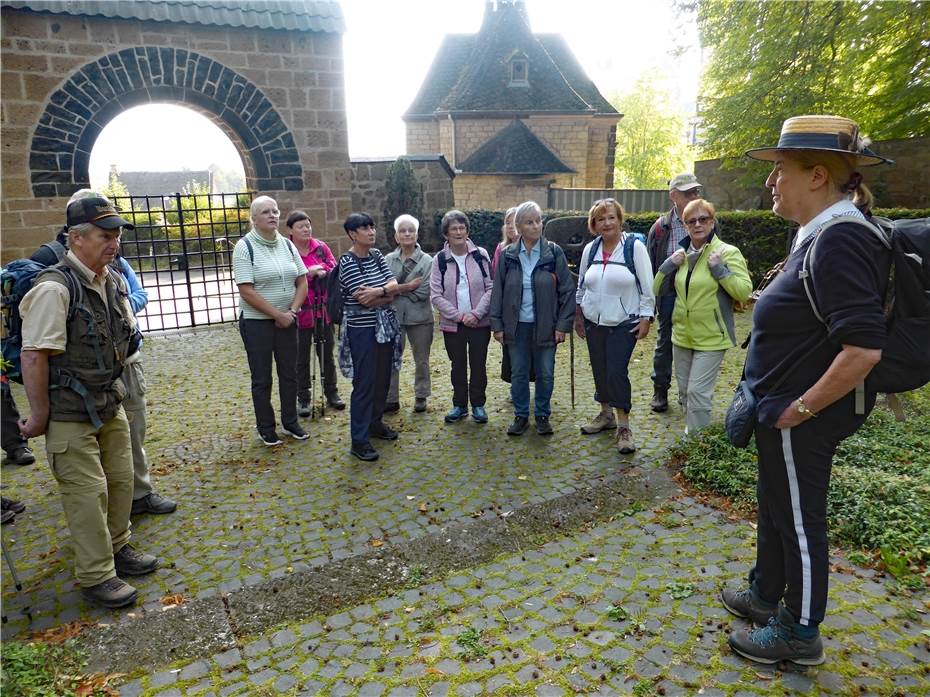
(792, 557)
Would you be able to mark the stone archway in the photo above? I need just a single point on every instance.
(76, 113)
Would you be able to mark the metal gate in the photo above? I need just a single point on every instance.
(181, 250)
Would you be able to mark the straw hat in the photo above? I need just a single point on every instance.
(817, 132)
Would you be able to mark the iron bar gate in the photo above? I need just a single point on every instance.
(181, 250)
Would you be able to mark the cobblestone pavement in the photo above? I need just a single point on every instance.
(248, 514)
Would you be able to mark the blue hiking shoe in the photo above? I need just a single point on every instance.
(479, 414)
(456, 414)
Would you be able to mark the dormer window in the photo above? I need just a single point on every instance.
(519, 69)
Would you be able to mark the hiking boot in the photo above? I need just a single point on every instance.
(153, 503)
(11, 505)
(419, 406)
(364, 451)
(295, 432)
(659, 401)
(21, 455)
(112, 593)
(543, 427)
(270, 438)
(625, 442)
(131, 562)
(303, 408)
(456, 414)
(746, 605)
(479, 414)
(379, 430)
(602, 422)
(779, 641)
(7, 516)
(391, 407)
(333, 400)
(518, 427)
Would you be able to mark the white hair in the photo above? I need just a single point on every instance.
(258, 203)
(525, 209)
(406, 218)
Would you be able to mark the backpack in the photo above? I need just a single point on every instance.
(444, 263)
(628, 243)
(905, 363)
(17, 279)
(335, 301)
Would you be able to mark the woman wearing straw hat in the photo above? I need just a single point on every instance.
(805, 373)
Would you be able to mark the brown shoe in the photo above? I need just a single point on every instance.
(625, 442)
(604, 421)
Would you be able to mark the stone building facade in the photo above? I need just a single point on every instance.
(514, 113)
(435, 178)
(269, 75)
(906, 184)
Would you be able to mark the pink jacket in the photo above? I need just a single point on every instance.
(443, 295)
(319, 254)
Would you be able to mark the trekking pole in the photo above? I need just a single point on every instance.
(319, 345)
(571, 354)
(16, 581)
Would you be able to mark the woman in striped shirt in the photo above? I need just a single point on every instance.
(370, 335)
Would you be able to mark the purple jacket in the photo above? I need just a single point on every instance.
(443, 295)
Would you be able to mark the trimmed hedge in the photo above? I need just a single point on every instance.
(761, 236)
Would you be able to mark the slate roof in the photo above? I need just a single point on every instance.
(299, 15)
(514, 150)
(471, 72)
(163, 183)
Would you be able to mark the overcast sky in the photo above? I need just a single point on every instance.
(388, 48)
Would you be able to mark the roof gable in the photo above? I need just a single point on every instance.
(471, 73)
(515, 149)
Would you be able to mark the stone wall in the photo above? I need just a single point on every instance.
(500, 192)
(422, 137)
(435, 177)
(278, 95)
(906, 184)
(602, 146)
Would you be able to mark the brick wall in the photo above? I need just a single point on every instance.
(295, 148)
(500, 192)
(422, 138)
(602, 145)
(906, 184)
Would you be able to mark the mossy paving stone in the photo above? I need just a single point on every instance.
(256, 513)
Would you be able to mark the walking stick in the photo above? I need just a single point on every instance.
(571, 355)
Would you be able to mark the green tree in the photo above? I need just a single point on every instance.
(651, 137)
(114, 187)
(768, 60)
(401, 194)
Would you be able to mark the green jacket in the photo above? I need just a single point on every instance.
(703, 316)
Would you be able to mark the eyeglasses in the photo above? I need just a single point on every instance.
(702, 219)
(696, 192)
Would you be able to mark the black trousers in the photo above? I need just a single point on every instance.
(9, 422)
(792, 557)
(324, 352)
(264, 341)
(610, 349)
(468, 350)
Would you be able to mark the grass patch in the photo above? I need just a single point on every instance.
(879, 498)
(43, 670)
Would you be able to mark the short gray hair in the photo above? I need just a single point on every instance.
(406, 218)
(258, 203)
(524, 209)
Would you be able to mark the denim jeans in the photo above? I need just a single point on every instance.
(662, 359)
(371, 377)
(523, 354)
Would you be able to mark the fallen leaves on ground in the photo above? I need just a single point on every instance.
(174, 600)
(375, 542)
(60, 634)
(91, 684)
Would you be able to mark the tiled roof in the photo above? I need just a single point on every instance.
(299, 15)
(471, 73)
(514, 150)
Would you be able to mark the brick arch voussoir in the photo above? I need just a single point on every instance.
(97, 92)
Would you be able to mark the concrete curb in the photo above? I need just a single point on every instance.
(207, 626)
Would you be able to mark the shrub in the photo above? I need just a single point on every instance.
(879, 497)
(401, 195)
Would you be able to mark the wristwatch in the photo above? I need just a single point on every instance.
(802, 408)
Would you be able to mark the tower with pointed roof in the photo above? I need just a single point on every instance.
(513, 112)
